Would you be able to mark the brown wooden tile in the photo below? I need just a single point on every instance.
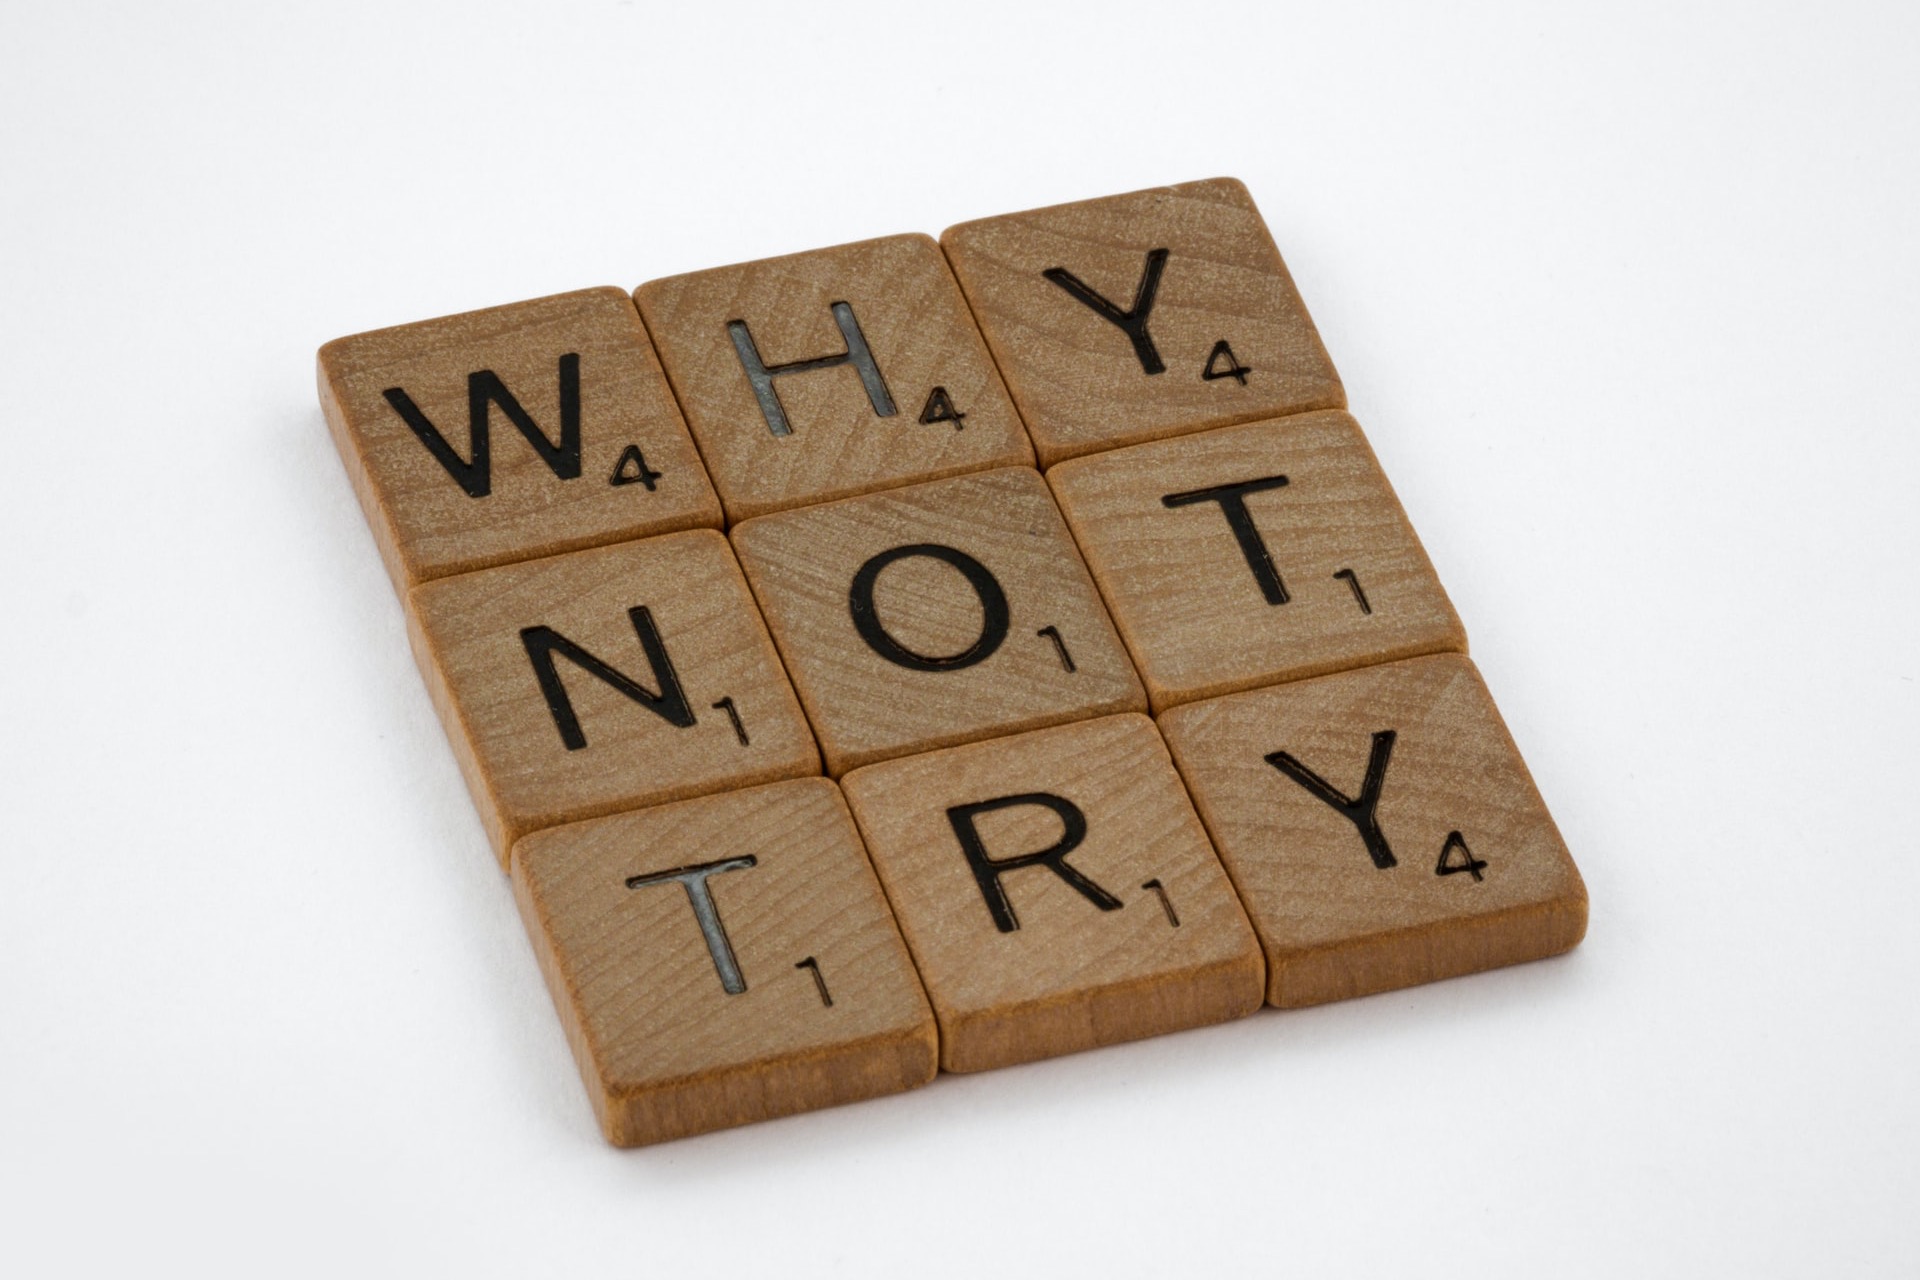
(1057, 891)
(1381, 828)
(606, 679)
(724, 960)
(1107, 317)
(899, 388)
(515, 432)
(935, 614)
(1254, 554)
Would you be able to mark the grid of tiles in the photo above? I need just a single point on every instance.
(920, 655)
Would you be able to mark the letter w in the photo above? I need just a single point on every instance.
(484, 390)
(670, 704)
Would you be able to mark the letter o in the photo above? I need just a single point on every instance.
(993, 603)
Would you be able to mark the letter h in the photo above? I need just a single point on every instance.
(857, 354)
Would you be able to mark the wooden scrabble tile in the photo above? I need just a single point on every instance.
(1254, 554)
(1381, 828)
(826, 374)
(724, 960)
(1141, 316)
(935, 614)
(606, 679)
(1057, 891)
(515, 432)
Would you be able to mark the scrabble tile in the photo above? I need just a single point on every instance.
(723, 960)
(519, 431)
(1254, 554)
(1140, 316)
(1381, 828)
(606, 679)
(1057, 891)
(826, 374)
(935, 614)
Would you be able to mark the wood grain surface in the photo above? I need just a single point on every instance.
(1016, 863)
(1051, 970)
(1080, 380)
(1047, 654)
(1334, 578)
(1475, 873)
(631, 472)
(801, 996)
(485, 671)
(915, 324)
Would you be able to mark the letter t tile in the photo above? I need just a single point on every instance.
(723, 960)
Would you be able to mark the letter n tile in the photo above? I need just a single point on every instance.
(600, 680)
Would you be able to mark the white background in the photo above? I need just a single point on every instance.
(1625, 299)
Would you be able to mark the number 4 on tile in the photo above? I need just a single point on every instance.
(633, 469)
(939, 408)
(1470, 864)
(1215, 370)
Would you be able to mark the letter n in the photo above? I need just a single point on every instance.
(670, 704)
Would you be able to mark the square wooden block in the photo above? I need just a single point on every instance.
(826, 374)
(1141, 316)
(1381, 828)
(519, 431)
(1254, 554)
(607, 679)
(724, 960)
(935, 614)
(1057, 891)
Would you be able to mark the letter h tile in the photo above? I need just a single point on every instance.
(827, 374)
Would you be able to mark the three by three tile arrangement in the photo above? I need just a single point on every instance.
(987, 503)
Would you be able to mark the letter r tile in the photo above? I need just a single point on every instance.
(1140, 316)
(935, 614)
(1381, 828)
(607, 679)
(1254, 554)
(723, 960)
(510, 433)
(1058, 892)
(826, 374)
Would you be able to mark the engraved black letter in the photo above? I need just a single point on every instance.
(700, 898)
(993, 605)
(1352, 580)
(761, 375)
(484, 389)
(1359, 812)
(1233, 502)
(987, 871)
(670, 704)
(1132, 323)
